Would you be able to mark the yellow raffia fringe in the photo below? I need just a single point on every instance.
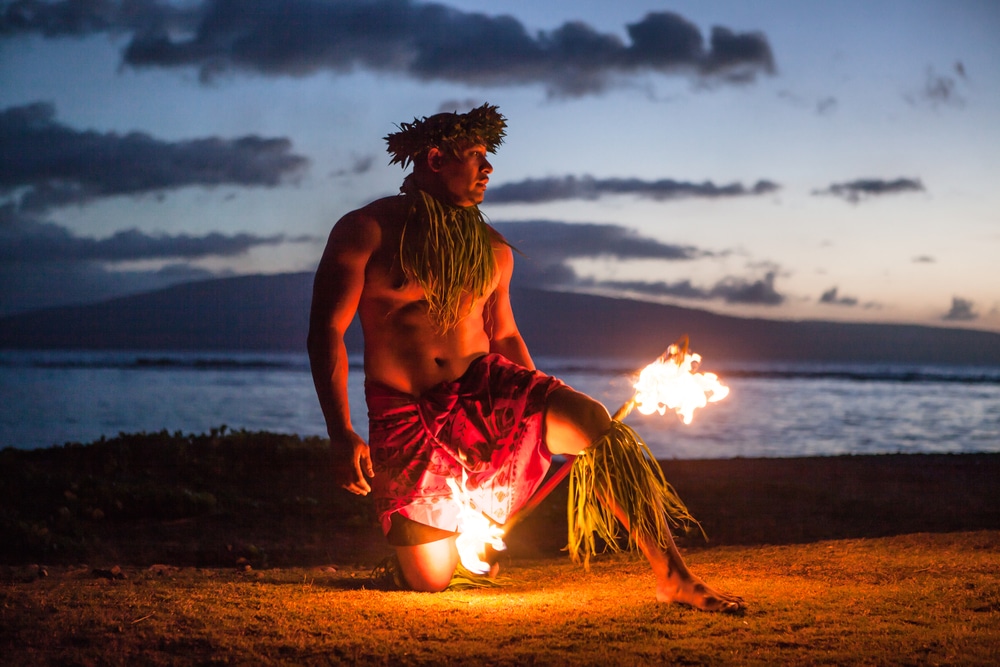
(619, 470)
(448, 251)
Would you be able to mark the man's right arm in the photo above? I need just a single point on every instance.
(337, 289)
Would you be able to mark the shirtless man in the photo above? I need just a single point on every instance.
(412, 350)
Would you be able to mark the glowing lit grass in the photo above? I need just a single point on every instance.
(916, 599)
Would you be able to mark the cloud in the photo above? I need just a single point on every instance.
(826, 106)
(940, 89)
(542, 190)
(548, 241)
(77, 18)
(546, 246)
(24, 240)
(962, 310)
(830, 297)
(43, 264)
(48, 164)
(823, 106)
(855, 191)
(359, 165)
(742, 290)
(682, 289)
(731, 289)
(923, 259)
(426, 41)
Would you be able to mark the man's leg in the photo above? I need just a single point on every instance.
(573, 421)
(427, 555)
(429, 567)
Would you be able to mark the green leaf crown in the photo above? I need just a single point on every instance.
(447, 131)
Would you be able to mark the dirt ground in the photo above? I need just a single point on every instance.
(231, 548)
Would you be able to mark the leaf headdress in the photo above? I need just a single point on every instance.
(448, 132)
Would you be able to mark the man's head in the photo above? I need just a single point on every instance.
(448, 152)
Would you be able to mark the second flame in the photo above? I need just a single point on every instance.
(671, 383)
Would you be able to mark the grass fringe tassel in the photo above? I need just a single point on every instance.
(619, 470)
(448, 251)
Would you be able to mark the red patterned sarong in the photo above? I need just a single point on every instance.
(489, 424)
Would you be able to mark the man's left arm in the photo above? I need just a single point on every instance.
(501, 327)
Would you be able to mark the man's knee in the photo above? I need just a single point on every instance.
(573, 421)
(429, 568)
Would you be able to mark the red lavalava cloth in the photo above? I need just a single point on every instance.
(488, 424)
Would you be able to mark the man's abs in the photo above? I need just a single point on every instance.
(413, 360)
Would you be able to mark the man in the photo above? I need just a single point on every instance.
(450, 385)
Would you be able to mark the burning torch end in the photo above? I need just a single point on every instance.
(678, 350)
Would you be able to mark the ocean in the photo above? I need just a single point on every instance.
(773, 410)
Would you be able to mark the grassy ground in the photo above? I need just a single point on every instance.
(916, 599)
(231, 549)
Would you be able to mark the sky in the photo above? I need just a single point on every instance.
(776, 159)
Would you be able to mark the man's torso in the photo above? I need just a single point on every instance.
(404, 349)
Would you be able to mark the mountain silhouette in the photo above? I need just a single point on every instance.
(271, 312)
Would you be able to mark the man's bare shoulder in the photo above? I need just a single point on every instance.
(367, 226)
(497, 238)
(380, 211)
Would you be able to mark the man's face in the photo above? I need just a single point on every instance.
(463, 178)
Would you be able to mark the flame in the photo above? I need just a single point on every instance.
(475, 530)
(670, 382)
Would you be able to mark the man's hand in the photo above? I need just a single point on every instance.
(352, 462)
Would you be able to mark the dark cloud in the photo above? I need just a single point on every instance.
(855, 191)
(48, 164)
(826, 106)
(831, 297)
(940, 89)
(23, 240)
(428, 41)
(682, 289)
(736, 56)
(548, 241)
(742, 290)
(732, 289)
(77, 18)
(359, 165)
(57, 19)
(923, 259)
(823, 106)
(547, 246)
(541, 190)
(43, 264)
(962, 310)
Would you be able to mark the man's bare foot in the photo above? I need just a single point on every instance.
(494, 571)
(693, 592)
